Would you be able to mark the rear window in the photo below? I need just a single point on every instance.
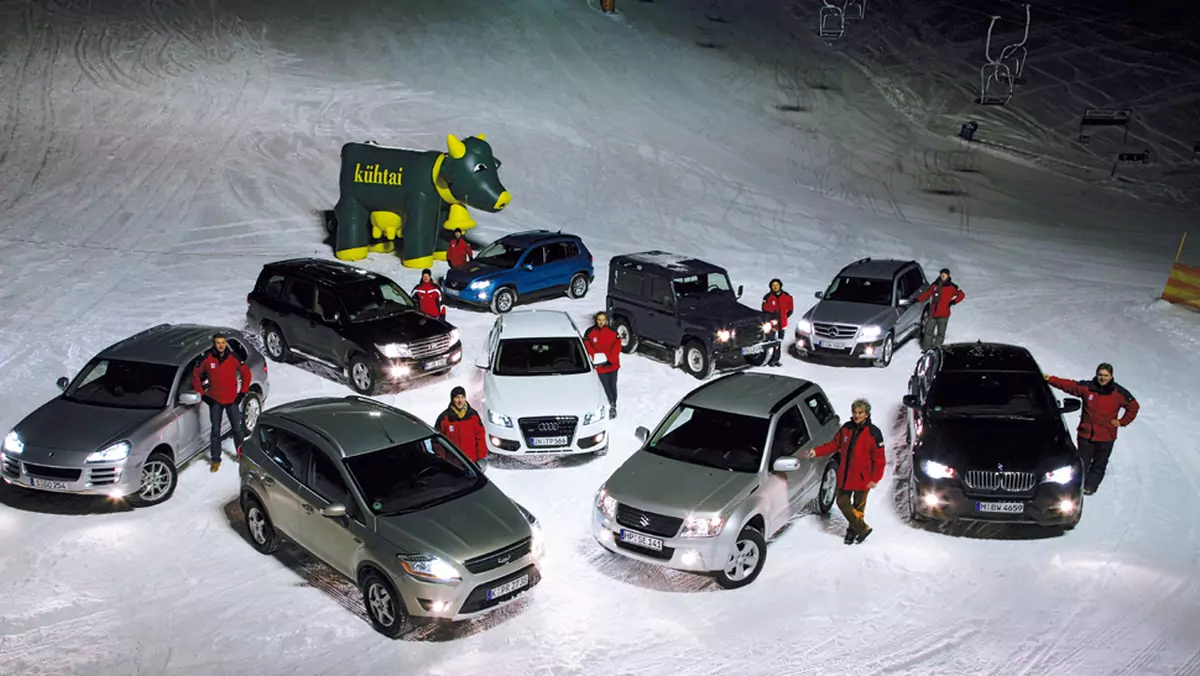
(270, 284)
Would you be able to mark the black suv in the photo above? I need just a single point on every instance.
(684, 311)
(357, 322)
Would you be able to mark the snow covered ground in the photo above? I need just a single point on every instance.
(153, 155)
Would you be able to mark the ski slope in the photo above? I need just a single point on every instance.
(154, 155)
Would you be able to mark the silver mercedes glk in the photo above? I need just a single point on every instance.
(385, 500)
(125, 424)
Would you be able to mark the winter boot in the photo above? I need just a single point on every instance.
(850, 535)
(612, 411)
(216, 465)
(863, 536)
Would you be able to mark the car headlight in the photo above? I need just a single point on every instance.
(606, 503)
(725, 335)
(936, 470)
(1062, 475)
(453, 336)
(803, 326)
(870, 332)
(768, 327)
(428, 567)
(115, 452)
(395, 350)
(535, 530)
(702, 527)
(13, 443)
(597, 415)
(498, 419)
(481, 284)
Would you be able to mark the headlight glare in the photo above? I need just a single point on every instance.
(606, 503)
(724, 336)
(429, 568)
(114, 453)
(936, 470)
(395, 350)
(596, 415)
(499, 419)
(702, 527)
(481, 284)
(1062, 475)
(870, 332)
(768, 327)
(453, 336)
(803, 326)
(13, 443)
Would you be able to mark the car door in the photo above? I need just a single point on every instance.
(191, 422)
(294, 317)
(825, 424)
(789, 439)
(334, 540)
(919, 384)
(661, 323)
(323, 333)
(531, 277)
(558, 267)
(910, 286)
(290, 454)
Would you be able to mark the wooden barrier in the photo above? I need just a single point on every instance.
(1183, 284)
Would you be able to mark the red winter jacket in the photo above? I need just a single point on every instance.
(458, 253)
(780, 306)
(464, 432)
(1101, 406)
(222, 372)
(862, 460)
(429, 299)
(603, 341)
(944, 294)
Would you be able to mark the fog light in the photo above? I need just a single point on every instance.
(456, 356)
(690, 558)
(439, 606)
(598, 438)
(931, 500)
(115, 495)
(495, 441)
(869, 350)
(1066, 506)
(399, 370)
(606, 535)
(482, 295)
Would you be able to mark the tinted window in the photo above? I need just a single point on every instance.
(991, 393)
(290, 452)
(628, 282)
(860, 290)
(913, 282)
(557, 252)
(272, 285)
(820, 408)
(541, 356)
(790, 433)
(374, 299)
(697, 285)
(238, 349)
(301, 294)
(537, 257)
(326, 482)
(123, 384)
(660, 291)
(500, 255)
(413, 476)
(571, 248)
(718, 439)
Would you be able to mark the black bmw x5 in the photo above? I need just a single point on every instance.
(987, 439)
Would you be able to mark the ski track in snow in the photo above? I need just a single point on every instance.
(154, 156)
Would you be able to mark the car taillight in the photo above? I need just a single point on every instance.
(264, 367)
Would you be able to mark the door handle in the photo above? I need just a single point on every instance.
(308, 508)
(268, 481)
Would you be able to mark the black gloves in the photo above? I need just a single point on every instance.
(208, 400)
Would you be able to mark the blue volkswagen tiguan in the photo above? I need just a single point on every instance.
(522, 267)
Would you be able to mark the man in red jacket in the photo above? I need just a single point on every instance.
(778, 304)
(429, 296)
(458, 252)
(860, 445)
(604, 347)
(223, 370)
(1099, 420)
(462, 425)
(945, 294)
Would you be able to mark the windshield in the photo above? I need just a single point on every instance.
(500, 255)
(699, 285)
(860, 290)
(413, 476)
(716, 439)
(991, 392)
(542, 357)
(373, 299)
(123, 384)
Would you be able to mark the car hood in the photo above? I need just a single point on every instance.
(519, 396)
(70, 428)
(401, 328)
(856, 314)
(720, 311)
(666, 486)
(473, 271)
(458, 530)
(1038, 445)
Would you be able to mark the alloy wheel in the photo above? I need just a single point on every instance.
(250, 415)
(382, 606)
(156, 480)
(742, 561)
(361, 376)
(257, 523)
(274, 344)
(828, 487)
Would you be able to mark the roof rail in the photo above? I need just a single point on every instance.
(861, 261)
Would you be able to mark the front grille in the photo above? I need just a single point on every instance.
(477, 600)
(456, 284)
(500, 557)
(103, 477)
(1007, 482)
(10, 466)
(834, 331)
(55, 473)
(428, 347)
(648, 522)
(665, 554)
(546, 427)
(751, 334)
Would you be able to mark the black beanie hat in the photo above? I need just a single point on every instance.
(427, 271)
(458, 389)
(945, 270)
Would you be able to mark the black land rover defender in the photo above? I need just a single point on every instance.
(684, 311)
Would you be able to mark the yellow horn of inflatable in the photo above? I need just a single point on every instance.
(457, 149)
(481, 137)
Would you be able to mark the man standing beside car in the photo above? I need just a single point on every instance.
(1103, 399)
(462, 425)
(429, 296)
(223, 370)
(778, 303)
(458, 252)
(945, 294)
(860, 445)
(604, 347)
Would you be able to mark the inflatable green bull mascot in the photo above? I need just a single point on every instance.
(417, 196)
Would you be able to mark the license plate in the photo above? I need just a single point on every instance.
(548, 441)
(832, 344)
(753, 349)
(436, 363)
(508, 587)
(451, 292)
(641, 540)
(1000, 507)
(42, 483)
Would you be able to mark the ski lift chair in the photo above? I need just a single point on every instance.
(833, 21)
(854, 10)
(995, 77)
(1017, 53)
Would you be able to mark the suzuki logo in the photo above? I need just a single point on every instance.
(504, 559)
(1000, 467)
(548, 427)
(644, 521)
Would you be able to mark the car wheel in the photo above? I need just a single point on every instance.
(251, 408)
(745, 561)
(827, 494)
(885, 353)
(263, 535)
(629, 340)
(578, 287)
(760, 358)
(696, 360)
(384, 606)
(159, 478)
(362, 377)
(274, 343)
(503, 300)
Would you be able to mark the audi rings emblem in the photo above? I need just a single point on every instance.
(548, 427)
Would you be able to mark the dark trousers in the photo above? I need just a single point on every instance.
(609, 381)
(235, 422)
(934, 333)
(778, 353)
(853, 504)
(1095, 456)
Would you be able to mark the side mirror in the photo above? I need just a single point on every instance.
(820, 295)
(62, 383)
(785, 464)
(189, 398)
(1069, 405)
(335, 319)
(910, 400)
(334, 511)
(642, 434)
(740, 290)
(482, 362)
(904, 302)
(528, 267)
